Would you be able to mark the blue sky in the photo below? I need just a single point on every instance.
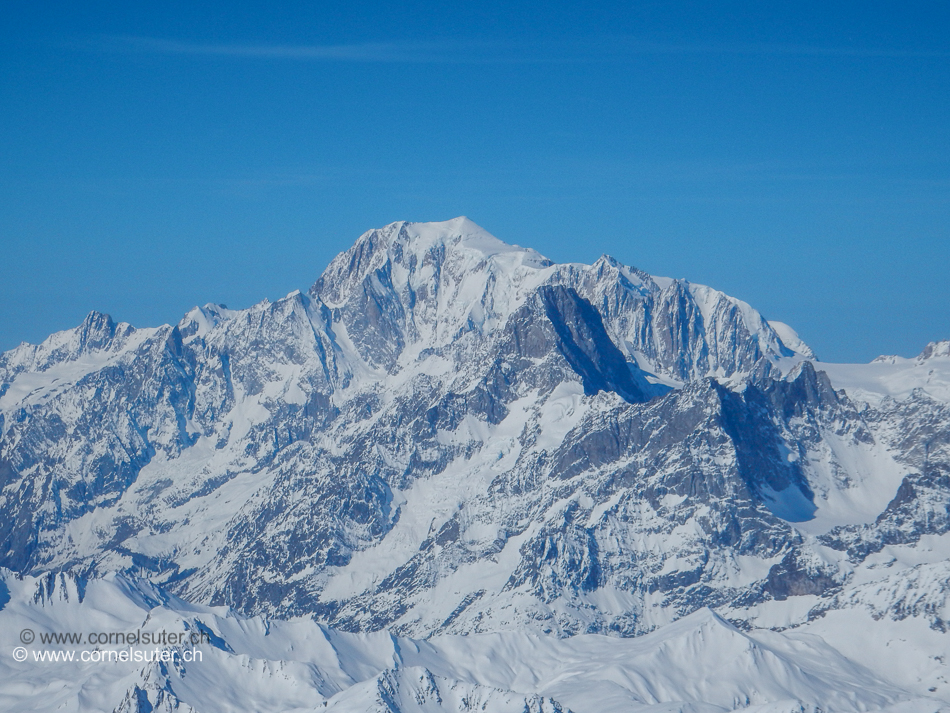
(154, 157)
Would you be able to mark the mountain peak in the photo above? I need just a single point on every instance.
(458, 235)
(413, 247)
(935, 349)
(464, 234)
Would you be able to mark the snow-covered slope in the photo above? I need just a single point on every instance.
(451, 435)
(897, 377)
(700, 663)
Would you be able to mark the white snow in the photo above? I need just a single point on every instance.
(791, 339)
(895, 377)
(699, 663)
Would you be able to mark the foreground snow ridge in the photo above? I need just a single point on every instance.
(454, 475)
(699, 663)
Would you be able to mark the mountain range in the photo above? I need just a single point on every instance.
(475, 477)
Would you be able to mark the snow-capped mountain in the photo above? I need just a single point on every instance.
(448, 435)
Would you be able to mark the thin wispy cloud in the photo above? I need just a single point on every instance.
(780, 49)
(477, 52)
(384, 52)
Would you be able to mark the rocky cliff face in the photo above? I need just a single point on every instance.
(451, 434)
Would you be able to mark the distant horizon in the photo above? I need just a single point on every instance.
(796, 158)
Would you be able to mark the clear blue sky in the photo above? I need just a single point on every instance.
(154, 156)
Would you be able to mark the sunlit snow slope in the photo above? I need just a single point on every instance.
(700, 663)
